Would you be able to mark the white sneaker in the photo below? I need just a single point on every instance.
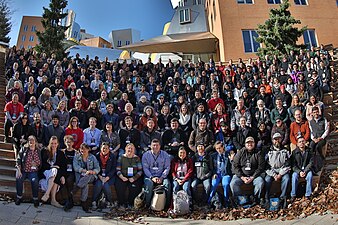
(94, 206)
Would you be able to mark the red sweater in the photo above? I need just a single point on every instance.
(302, 127)
(190, 169)
(77, 135)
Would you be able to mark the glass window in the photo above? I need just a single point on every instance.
(31, 38)
(250, 45)
(300, 2)
(119, 43)
(274, 1)
(244, 1)
(29, 46)
(310, 38)
(185, 16)
(25, 28)
(23, 38)
(127, 42)
(33, 28)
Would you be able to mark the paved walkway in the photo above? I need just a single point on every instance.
(26, 214)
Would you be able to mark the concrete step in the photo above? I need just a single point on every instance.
(6, 180)
(7, 170)
(7, 161)
(7, 153)
(7, 146)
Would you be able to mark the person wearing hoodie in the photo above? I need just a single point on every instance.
(278, 167)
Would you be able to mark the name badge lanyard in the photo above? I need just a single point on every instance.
(69, 166)
(130, 169)
(92, 141)
(155, 165)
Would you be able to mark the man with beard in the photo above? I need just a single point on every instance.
(278, 168)
(173, 138)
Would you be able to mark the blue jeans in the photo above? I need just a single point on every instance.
(148, 190)
(33, 178)
(225, 183)
(185, 187)
(206, 186)
(236, 183)
(106, 188)
(295, 178)
(284, 185)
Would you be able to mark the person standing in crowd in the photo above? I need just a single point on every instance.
(28, 164)
(248, 166)
(173, 138)
(75, 132)
(320, 129)
(92, 135)
(299, 128)
(129, 134)
(129, 176)
(278, 167)
(13, 111)
(156, 168)
(111, 137)
(106, 176)
(21, 130)
(148, 134)
(65, 177)
(201, 134)
(53, 129)
(301, 161)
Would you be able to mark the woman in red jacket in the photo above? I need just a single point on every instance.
(75, 132)
(182, 172)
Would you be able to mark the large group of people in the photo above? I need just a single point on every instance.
(80, 121)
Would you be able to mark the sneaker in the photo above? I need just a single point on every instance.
(18, 201)
(36, 203)
(109, 205)
(94, 206)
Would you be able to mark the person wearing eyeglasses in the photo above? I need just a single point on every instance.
(76, 132)
(21, 131)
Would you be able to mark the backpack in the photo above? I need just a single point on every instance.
(159, 198)
(139, 201)
(216, 202)
(181, 203)
(244, 201)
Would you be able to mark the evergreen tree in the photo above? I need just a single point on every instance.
(51, 38)
(278, 34)
(5, 23)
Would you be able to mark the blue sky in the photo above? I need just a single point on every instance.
(99, 17)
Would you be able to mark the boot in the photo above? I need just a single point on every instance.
(85, 206)
(69, 204)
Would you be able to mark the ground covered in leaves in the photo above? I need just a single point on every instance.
(325, 199)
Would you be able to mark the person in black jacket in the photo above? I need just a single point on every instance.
(53, 129)
(21, 131)
(301, 161)
(248, 166)
(66, 176)
(106, 177)
(243, 131)
(173, 138)
(202, 172)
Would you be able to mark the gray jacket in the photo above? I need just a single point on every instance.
(278, 162)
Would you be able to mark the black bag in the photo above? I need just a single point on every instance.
(139, 201)
(216, 202)
(301, 189)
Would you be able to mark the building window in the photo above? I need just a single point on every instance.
(250, 44)
(119, 43)
(244, 1)
(23, 38)
(29, 46)
(104, 46)
(185, 16)
(300, 2)
(274, 1)
(127, 42)
(197, 2)
(21, 46)
(310, 38)
(25, 28)
(31, 38)
(33, 28)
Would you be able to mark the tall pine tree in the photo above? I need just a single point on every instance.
(51, 38)
(278, 34)
(5, 23)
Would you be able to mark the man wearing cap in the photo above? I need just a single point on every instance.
(202, 173)
(248, 166)
(278, 166)
(301, 161)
